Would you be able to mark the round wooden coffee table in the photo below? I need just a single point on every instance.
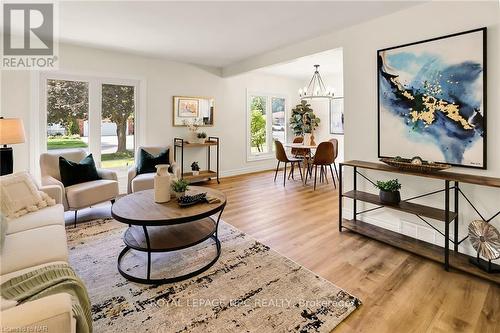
(181, 228)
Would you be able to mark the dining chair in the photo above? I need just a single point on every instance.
(323, 158)
(300, 153)
(281, 156)
(335, 153)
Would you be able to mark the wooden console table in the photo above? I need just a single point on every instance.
(444, 216)
(208, 174)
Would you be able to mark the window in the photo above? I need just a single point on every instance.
(266, 123)
(67, 114)
(93, 113)
(278, 118)
(117, 127)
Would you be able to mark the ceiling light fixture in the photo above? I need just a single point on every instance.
(316, 87)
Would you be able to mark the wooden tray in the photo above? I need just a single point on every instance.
(425, 167)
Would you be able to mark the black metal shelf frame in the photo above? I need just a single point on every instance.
(457, 192)
(179, 143)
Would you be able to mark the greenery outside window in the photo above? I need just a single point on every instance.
(97, 114)
(266, 123)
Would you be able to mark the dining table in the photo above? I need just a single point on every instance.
(307, 158)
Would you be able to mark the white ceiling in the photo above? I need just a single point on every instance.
(331, 63)
(209, 33)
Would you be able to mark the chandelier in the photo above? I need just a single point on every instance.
(316, 87)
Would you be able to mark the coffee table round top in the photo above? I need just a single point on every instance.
(139, 208)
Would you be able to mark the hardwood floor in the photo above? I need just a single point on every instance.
(401, 292)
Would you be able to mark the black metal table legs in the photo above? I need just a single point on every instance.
(149, 251)
(341, 191)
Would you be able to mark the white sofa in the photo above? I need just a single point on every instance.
(145, 181)
(33, 241)
(81, 195)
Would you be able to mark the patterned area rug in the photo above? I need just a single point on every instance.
(250, 289)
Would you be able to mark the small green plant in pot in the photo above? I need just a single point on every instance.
(195, 167)
(202, 136)
(179, 187)
(389, 191)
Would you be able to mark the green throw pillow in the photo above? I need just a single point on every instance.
(146, 162)
(75, 173)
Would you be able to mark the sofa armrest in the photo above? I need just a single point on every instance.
(53, 191)
(107, 174)
(132, 173)
(47, 314)
(51, 181)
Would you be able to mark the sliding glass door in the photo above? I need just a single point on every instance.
(96, 114)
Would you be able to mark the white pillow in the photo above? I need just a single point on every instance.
(20, 195)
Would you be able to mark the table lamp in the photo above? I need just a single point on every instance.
(11, 132)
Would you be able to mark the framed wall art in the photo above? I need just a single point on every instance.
(187, 110)
(337, 115)
(432, 99)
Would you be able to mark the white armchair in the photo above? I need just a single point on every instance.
(81, 195)
(145, 181)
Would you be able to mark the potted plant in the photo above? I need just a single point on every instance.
(303, 121)
(179, 187)
(389, 191)
(195, 167)
(202, 136)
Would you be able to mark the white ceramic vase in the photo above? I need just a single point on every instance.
(307, 139)
(162, 180)
(193, 137)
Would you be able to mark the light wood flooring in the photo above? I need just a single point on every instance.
(401, 292)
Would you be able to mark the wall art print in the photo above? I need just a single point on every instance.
(432, 100)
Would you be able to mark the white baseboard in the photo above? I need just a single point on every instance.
(241, 171)
(405, 227)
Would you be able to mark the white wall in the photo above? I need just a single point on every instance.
(164, 79)
(322, 110)
(360, 43)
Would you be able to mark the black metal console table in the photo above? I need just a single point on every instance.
(445, 216)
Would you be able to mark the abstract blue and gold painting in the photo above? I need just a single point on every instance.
(432, 100)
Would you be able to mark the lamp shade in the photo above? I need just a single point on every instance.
(11, 131)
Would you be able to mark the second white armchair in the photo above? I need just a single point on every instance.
(143, 181)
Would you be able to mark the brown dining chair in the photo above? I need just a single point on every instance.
(323, 158)
(281, 156)
(335, 153)
(300, 153)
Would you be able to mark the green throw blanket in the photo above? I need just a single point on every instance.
(50, 280)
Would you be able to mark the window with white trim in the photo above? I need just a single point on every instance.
(97, 114)
(266, 122)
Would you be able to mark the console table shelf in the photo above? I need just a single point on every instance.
(430, 251)
(403, 206)
(450, 257)
(212, 141)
